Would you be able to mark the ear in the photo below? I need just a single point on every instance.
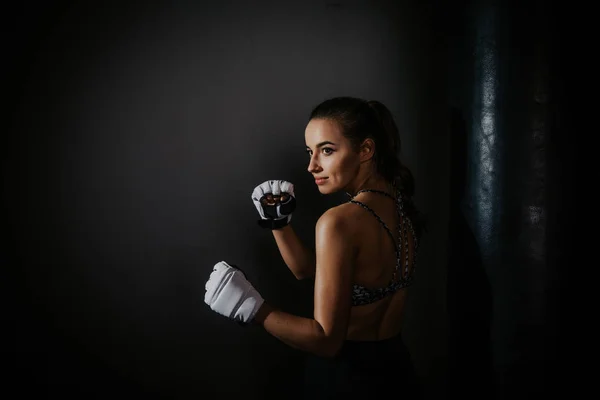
(366, 151)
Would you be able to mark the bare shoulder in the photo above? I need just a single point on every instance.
(335, 234)
(339, 219)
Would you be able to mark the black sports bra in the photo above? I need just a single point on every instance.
(362, 295)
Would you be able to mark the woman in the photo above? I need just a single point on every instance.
(364, 257)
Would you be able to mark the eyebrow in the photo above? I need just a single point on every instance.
(322, 144)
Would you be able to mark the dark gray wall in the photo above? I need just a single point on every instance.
(138, 134)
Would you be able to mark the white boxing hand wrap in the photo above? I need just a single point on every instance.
(275, 200)
(231, 295)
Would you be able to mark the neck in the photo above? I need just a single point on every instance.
(369, 180)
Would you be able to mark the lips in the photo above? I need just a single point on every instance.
(319, 181)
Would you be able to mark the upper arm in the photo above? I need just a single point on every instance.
(333, 277)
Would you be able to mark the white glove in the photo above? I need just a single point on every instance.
(275, 202)
(230, 294)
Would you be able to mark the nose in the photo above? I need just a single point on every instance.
(313, 166)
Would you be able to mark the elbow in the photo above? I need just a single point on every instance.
(301, 276)
(331, 349)
(331, 345)
(328, 344)
(306, 270)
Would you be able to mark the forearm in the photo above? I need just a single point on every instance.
(305, 334)
(299, 258)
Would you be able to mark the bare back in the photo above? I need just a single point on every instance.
(376, 263)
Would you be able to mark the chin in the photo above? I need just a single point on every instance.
(327, 189)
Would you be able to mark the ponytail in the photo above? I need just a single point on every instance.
(388, 161)
(390, 166)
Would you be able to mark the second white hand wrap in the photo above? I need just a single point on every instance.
(229, 293)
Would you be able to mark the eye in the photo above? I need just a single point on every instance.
(309, 152)
(327, 150)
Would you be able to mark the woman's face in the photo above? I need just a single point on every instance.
(333, 162)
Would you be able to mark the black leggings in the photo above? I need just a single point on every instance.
(362, 369)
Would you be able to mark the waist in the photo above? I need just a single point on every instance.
(368, 354)
(393, 343)
(367, 351)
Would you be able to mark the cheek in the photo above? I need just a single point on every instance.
(342, 167)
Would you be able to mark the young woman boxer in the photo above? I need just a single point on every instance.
(363, 263)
